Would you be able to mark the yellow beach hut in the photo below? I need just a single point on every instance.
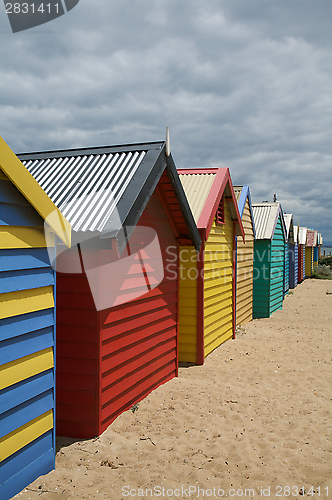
(27, 325)
(207, 288)
(244, 258)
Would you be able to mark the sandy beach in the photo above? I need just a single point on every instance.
(253, 421)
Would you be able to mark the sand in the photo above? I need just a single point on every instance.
(254, 421)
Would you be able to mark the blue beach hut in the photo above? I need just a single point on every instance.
(27, 326)
(293, 259)
(288, 219)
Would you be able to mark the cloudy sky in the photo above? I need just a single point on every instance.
(244, 84)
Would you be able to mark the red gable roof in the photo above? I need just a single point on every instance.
(221, 184)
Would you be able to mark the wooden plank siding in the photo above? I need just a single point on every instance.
(316, 256)
(188, 305)
(301, 263)
(77, 346)
(309, 261)
(286, 270)
(245, 261)
(277, 268)
(139, 339)
(27, 337)
(110, 359)
(293, 264)
(218, 284)
(262, 271)
(269, 261)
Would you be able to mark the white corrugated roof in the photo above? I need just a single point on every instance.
(86, 188)
(288, 220)
(265, 216)
(302, 236)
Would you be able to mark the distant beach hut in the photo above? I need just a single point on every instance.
(320, 243)
(316, 249)
(207, 288)
(244, 257)
(27, 326)
(293, 259)
(288, 218)
(117, 288)
(302, 238)
(309, 252)
(269, 258)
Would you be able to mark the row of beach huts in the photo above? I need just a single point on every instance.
(155, 266)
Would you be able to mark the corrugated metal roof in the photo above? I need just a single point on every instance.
(106, 189)
(288, 220)
(237, 192)
(197, 188)
(85, 188)
(265, 215)
(302, 235)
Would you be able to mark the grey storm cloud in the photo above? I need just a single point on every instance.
(241, 84)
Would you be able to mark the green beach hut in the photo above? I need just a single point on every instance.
(269, 259)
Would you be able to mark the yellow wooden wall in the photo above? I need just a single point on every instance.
(188, 304)
(218, 284)
(245, 261)
(309, 260)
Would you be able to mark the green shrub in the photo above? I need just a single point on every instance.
(322, 272)
(325, 261)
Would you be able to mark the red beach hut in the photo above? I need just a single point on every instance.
(117, 287)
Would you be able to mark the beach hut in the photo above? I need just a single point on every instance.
(309, 252)
(320, 243)
(293, 259)
(27, 325)
(269, 258)
(316, 249)
(207, 287)
(244, 257)
(288, 219)
(117, 288)
(302, 238)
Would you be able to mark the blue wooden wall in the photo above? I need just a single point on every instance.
(286, 272)
(27, 342)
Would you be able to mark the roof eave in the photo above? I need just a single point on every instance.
(36, 196)
(183, 202)
(245, 194)
(207, 216)
(146, 181)
(279, 212)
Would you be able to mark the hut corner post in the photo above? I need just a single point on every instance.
(200, 300)
(234, 276)
(178, 314)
